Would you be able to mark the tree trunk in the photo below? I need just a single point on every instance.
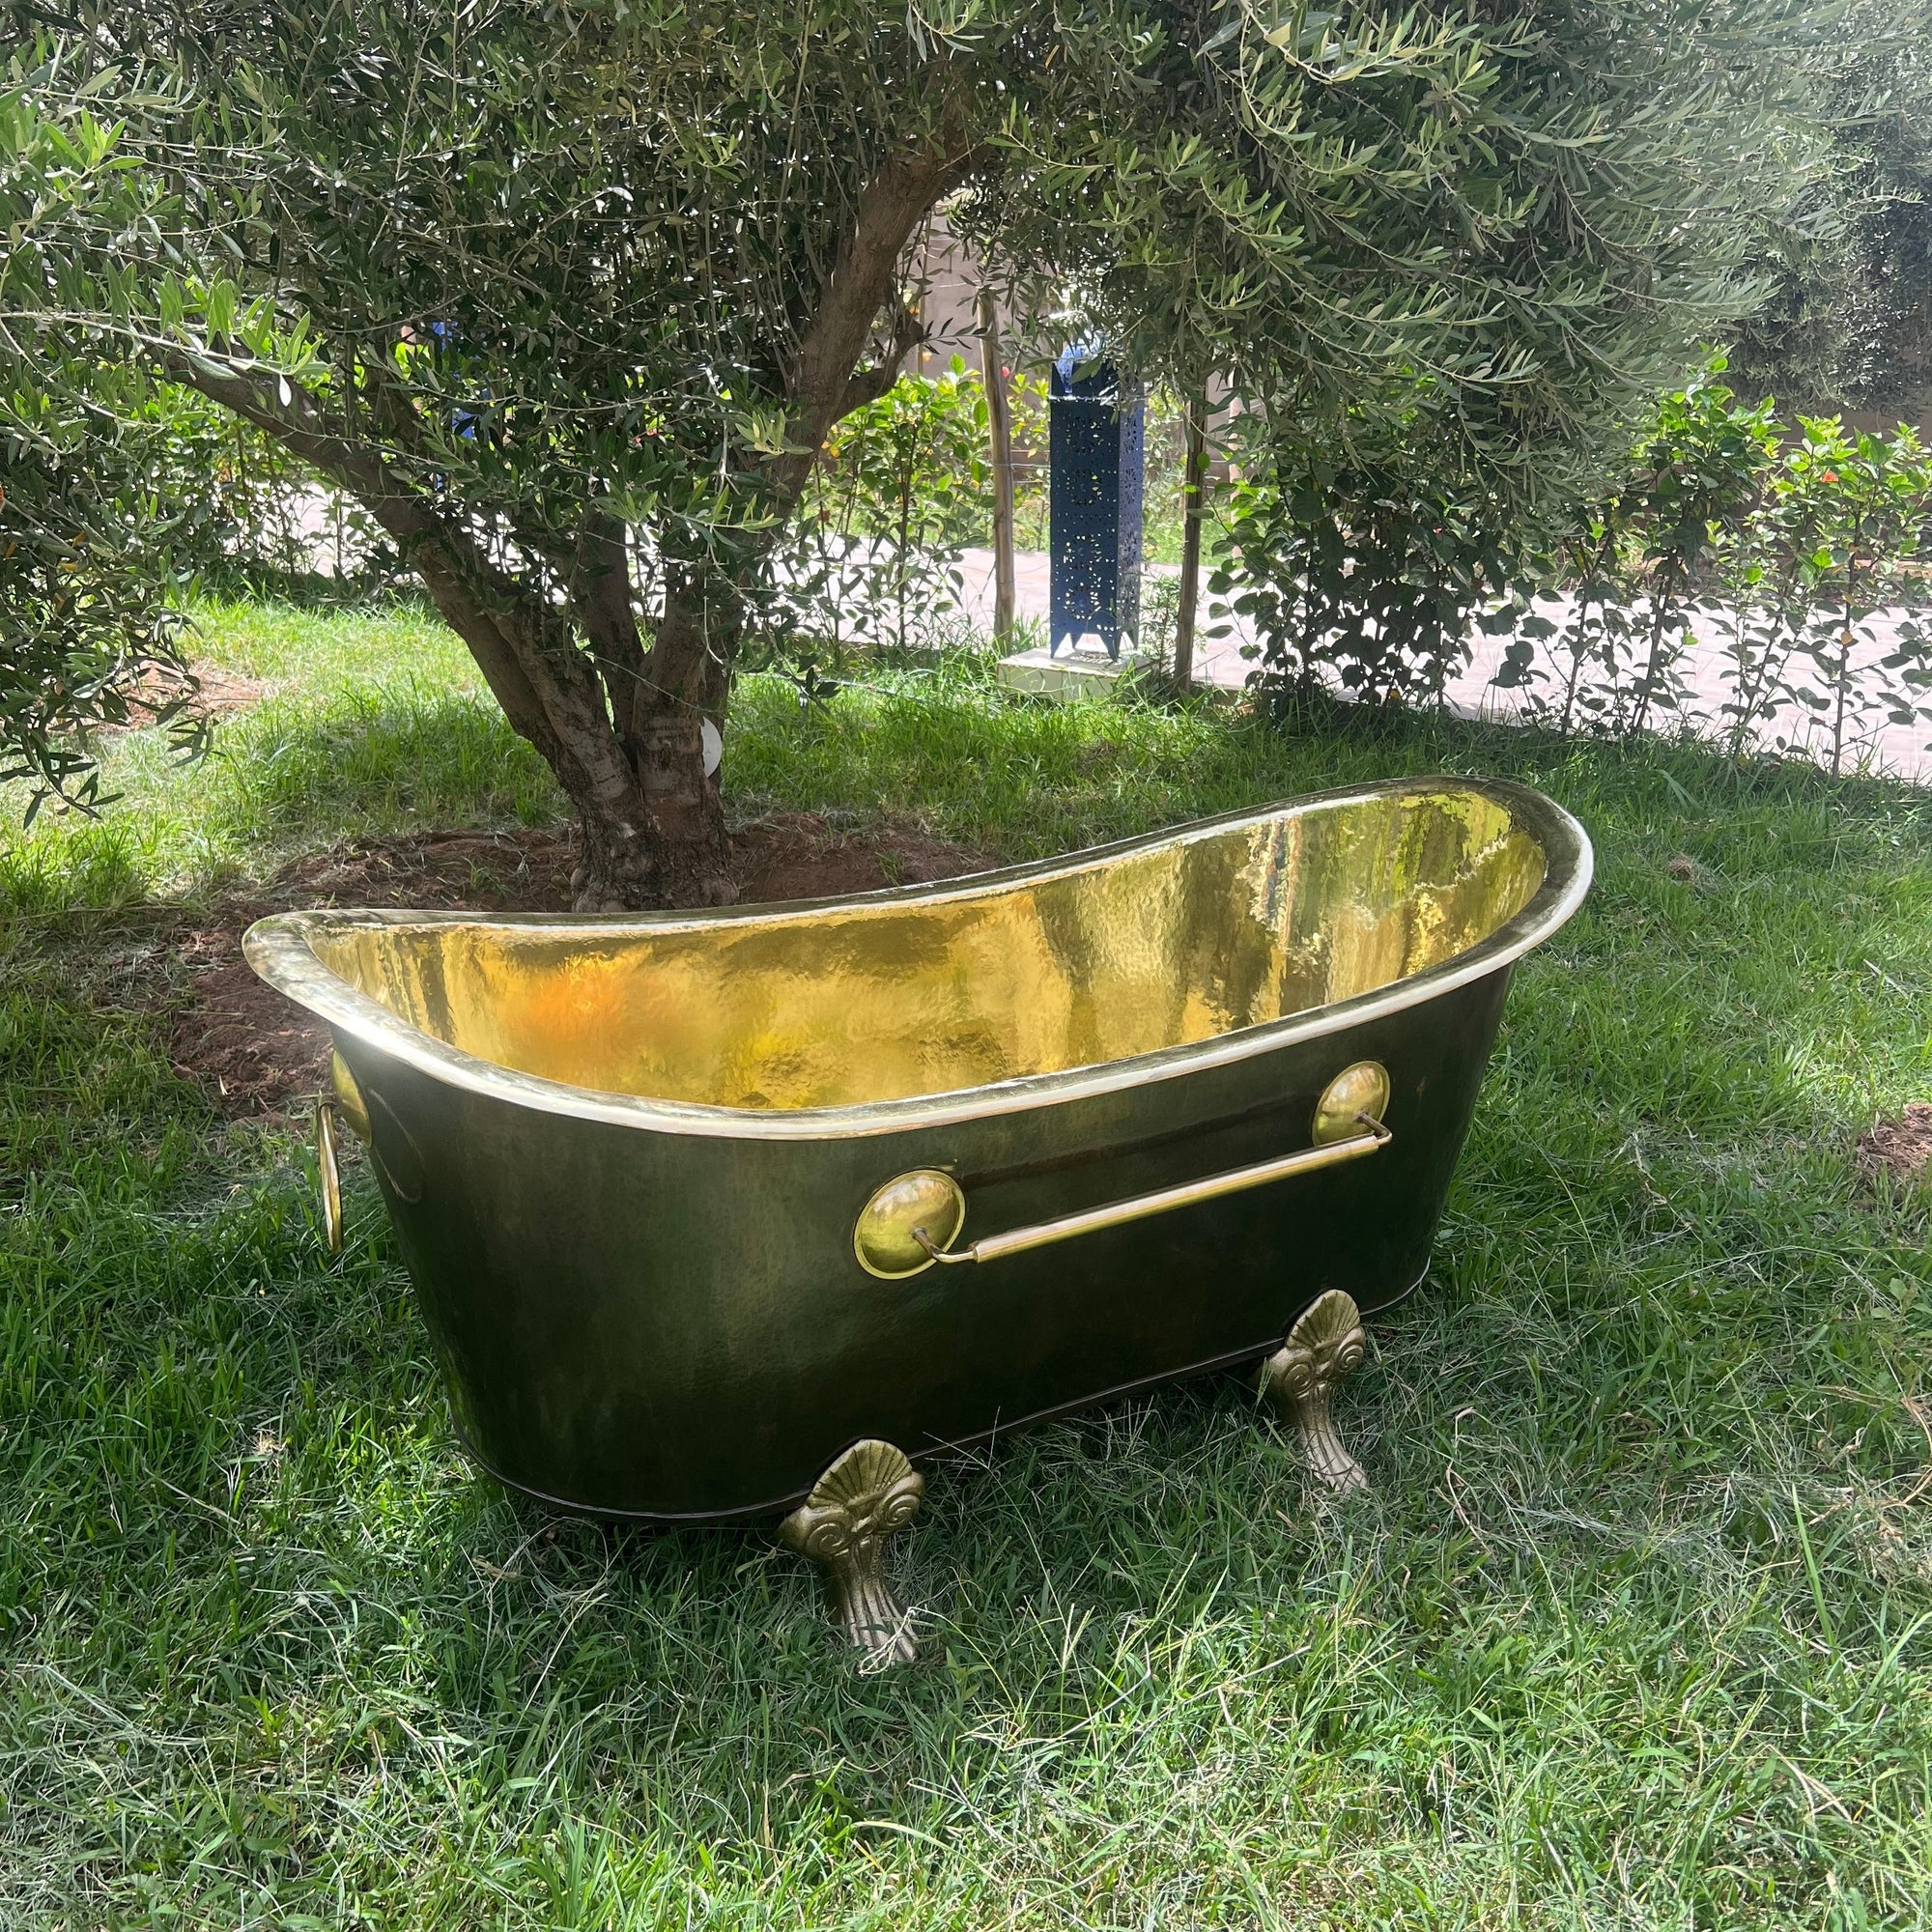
(621, 727)
(1000, 430)
(1193, 490)
(684, 679)
(685, 684)
(623, 731)
(558, 698)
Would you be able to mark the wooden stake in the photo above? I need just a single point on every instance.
(999, 429)
(1193, 490)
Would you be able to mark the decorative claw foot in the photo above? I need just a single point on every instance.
(1326, 1344)
(870, 1492)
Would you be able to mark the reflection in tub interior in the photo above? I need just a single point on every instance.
(1224, 1071)
(860, 1003)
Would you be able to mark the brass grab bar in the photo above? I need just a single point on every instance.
(911, 1223)
(1115, 1214)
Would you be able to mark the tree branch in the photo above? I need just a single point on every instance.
(503, 624)
(600, 592)
(820, 383)
(868, 385)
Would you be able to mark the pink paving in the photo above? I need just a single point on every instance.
(1899, 751)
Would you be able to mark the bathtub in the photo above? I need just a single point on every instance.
(738, 1214)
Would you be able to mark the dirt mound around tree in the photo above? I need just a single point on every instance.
(256, 1052)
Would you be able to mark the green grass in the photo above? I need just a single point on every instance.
(371, 723)
(1632, 1631)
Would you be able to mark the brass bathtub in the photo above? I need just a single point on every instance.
(718, 1216)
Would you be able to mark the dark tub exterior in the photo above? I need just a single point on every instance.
(652, 1307)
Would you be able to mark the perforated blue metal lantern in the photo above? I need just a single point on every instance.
(1096, 439)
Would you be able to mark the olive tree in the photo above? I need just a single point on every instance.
(1849, 322)
(568, 296)
(90, 524)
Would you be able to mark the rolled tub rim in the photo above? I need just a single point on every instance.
(280, 951)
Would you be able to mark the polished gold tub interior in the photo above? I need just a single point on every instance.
(875, 1000)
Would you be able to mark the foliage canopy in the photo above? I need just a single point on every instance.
(569, 299)
(1849, 321)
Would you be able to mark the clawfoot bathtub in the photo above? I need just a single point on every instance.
(727, 1217)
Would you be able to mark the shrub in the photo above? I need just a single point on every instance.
(1789, 543)
(1828, 545)
(900, 488)
(90, 582)
(1365, 577)
(1800, 546)
(1634, 558)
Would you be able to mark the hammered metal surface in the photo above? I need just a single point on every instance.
(862, 1002)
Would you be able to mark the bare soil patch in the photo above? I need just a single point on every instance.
(1901, 1148)
(217, 694)
(222, 692)
(256, 1052)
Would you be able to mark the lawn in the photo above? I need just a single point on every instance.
(1632, 1631)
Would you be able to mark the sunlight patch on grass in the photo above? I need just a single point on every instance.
(324, 652)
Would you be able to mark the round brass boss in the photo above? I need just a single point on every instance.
(924, 1199)
(1355, 1091)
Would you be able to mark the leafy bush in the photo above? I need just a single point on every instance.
(900, 488)
(90, 582)
(1849, 318)
(1788, 543)
(90, 579)
(1365, 577)
(119, 488)
(1826, 547)
(112, 514)
(1635, 557)
(1799, 548)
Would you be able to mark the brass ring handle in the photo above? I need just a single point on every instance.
(910, 1224)
(342, 1102)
